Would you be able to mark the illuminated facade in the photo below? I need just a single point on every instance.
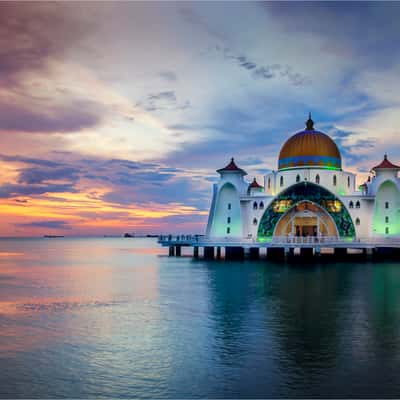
(309, 195)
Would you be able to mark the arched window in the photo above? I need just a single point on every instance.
(386, 204)
(334, 180)
(255, 206)
(387, 230)
(357, 204)
(297, 178)
(228, 220)
(348, 181)
(228, 230)
(317, 179)
(281, 181)
(386, 219)
(269, 183)
(261, 206)
(357, 221)
(255, 221)
(351, 205)
(229, 206)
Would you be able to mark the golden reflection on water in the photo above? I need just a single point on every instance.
(44, 284)
(7, 254)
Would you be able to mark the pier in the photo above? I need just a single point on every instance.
(281, 248)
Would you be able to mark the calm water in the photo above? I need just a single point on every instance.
(116, 318)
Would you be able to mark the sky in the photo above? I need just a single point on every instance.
(115, 116)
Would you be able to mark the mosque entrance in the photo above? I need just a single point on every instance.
(306, 219)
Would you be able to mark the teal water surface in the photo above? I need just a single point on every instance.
(116, 317)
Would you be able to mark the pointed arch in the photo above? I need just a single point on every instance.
(313, 193)
(387, 203)
(227, 214)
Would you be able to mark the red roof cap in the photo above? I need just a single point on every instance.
(255, 185)
(232, 167)
(386, 164)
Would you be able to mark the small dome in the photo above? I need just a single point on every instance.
(310, 148)
(255, 184)
(385, 164)
(232, 167)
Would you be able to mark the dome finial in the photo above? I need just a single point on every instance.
(310, 123)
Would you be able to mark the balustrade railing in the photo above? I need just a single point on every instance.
(296, 240)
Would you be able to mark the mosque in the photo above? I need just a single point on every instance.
(308, 196)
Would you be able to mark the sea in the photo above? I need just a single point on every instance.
(117, 317)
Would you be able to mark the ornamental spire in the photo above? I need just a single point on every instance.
(310, 123)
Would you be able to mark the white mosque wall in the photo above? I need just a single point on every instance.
(338, 182)
(211, 214)
(361, 210)
(386, 210)
(253, 210)
(237, 211)
(382, 176)
(236, 180)
(227, 221)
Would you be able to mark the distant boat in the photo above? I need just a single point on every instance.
(53, 236)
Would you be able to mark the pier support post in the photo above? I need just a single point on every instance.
(306, 252)
(171, 252)
(196, 252)
(317, 252)
(254, 253)
(289, 253)
(234, 253)
(276, 253)
(340, 252)
(209, 253)
(178, 250)
(218, 252)
(386, 253)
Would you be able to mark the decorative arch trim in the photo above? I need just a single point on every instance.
(286, 213)
(301, 192)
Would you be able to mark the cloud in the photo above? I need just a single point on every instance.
(165, 100)
(29, 160)
(45, 224)
(32, 34)
(53, 119)
(169, 76)
(41, 175)
(10, 190)
(273, 71)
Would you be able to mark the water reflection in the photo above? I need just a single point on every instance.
(125, 322)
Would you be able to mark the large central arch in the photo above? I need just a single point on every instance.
(300, 192)
(306, 219)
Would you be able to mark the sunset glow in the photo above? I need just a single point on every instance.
(115, 116)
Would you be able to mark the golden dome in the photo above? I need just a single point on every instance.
(310, 148)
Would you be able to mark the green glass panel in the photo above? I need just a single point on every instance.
(301, 192)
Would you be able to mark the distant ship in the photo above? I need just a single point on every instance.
(53, 236)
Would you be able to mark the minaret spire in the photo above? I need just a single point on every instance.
(310, 123)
